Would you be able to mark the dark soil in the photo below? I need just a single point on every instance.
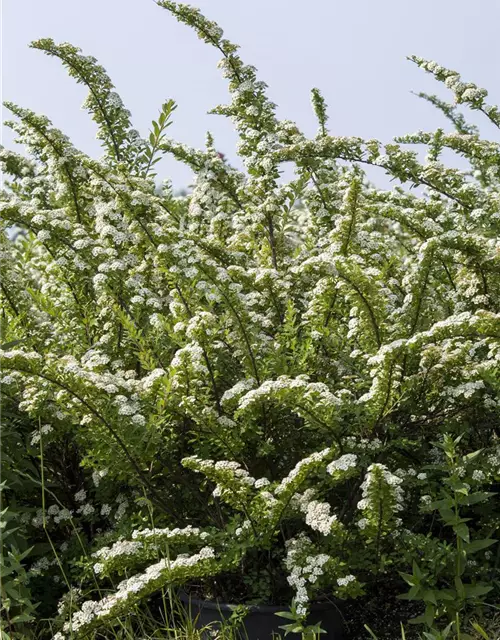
(383, 613)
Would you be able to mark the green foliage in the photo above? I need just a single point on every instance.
(308, 632)
(443, 591)
(280, 392)
(17, 607)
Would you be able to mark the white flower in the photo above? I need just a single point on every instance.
(343, 582)
(80, 495)
(64, 514)
(97, 476)
(261, 482)
(345, 462)
(86, 509)
(318, 517)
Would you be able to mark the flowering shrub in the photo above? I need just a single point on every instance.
(322, 356)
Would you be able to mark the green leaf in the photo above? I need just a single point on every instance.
(473, 455)
(443, 503)
(316, 629)
(410, 579)
(291, 628)
(445, 594)
(22, 617)
(477, 627)
(429, 615)
(414, 592)
(461, 562)
(479, 496)
(12, 343)
(462, 531)
(479, 545)
(459, 586)
(370, 632)
(447, 515)
(285, 614)
(11, 591)
(417, 620)
(416, 570)
(476, 590)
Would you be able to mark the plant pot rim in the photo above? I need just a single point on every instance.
(253, 608)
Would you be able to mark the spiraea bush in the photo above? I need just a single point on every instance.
(276, 391)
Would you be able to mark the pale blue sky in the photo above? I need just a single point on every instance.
(353, 50)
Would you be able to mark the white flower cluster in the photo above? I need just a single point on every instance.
(41, 565)
(81, 495)
(303, 567)
(318, 517)
(317, 514)
(303, 465)
(317, 392)
(122, 507)
(132, 587)
(363, 444)
(381, 493)
(246, 526)
(237, 390)
(86, 509)
(98, 475)
(343, 582)
(300, 501)
(262, 482)
(55, 512)
(168, 534)
(36, 435)
(120, 548)
(344, 463)
(232, 483)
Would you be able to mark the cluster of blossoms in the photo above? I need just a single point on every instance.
(169, 534)
(98, 475)
(343, 465)
(304, 567)
(282, 341)
(145, 546)
(233, 484)
(93, 613)
(119, 549)
(307, 569)
(301, 469)
(318, 517)
(382, 498)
